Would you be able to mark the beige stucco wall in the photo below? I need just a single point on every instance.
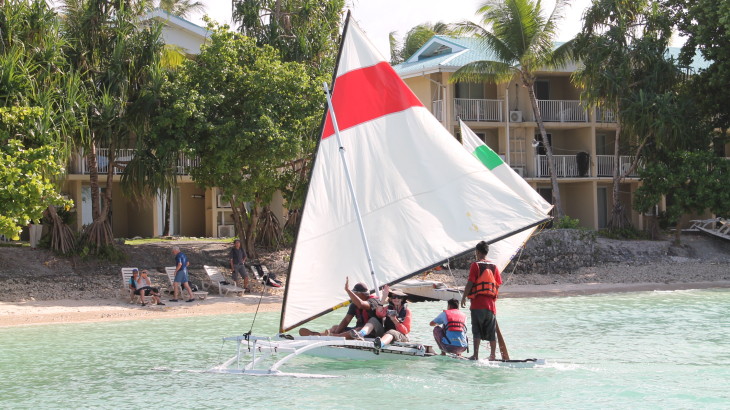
(579, 201)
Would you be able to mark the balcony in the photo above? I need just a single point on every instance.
(79, 164)
(478, 110)
(605, 115)
(567, 166)
(605, 165)
(562, 111)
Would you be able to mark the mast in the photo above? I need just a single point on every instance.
(352, 191)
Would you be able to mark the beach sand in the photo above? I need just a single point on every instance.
(104, 310)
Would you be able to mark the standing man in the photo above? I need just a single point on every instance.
(238, 269)
(181, 275)
(482, 288)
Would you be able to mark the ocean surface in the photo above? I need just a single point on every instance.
(645, 350)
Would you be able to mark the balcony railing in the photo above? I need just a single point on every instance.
(605, 115)
(123, 156)
(437, 108)
(565, 165)
(605, 165)
(562, 111)
(478, 110)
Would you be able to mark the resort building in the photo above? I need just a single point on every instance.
(582, 137)
(194, 211)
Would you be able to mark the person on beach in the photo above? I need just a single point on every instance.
(396, 318)
(362, 306)
(482, 288)
(451, 337)
(144, 287)
(237, 258)
(181, 275)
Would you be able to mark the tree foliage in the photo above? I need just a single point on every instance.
(626, 69)
(40, 104)
(249, 115)
(706, 26)
(117, 58)
(521, 39)
(302, 30)
(692, 181)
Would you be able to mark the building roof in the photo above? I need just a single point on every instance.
(448, 54)
(179, 32)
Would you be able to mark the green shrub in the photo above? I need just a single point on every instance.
(567, 222)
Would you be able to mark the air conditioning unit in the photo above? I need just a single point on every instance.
(222, 203)
(226, 231)
(519, 170)
(515, 116)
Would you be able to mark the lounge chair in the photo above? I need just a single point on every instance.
(126, 277)
(217, 278)
(261, 273)
(170, 271)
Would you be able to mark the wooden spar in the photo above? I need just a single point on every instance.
(502, 346)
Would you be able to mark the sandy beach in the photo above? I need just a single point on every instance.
(103, 310)
(41, 290)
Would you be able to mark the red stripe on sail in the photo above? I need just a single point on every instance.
(366, 94)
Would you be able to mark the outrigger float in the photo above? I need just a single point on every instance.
(391, 194)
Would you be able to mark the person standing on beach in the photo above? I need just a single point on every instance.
(181, 275)
(482, 288)
(237, 258)
(451, 338)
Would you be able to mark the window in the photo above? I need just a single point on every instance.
(470, 90)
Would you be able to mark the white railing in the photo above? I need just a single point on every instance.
(122, 157)
(605, 115)
(437, 108)
(562, 111)
(565, 165)
(478, 110)
(605, 165)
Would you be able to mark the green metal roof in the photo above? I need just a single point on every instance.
(448, 54)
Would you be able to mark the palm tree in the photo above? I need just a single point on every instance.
(522, 41)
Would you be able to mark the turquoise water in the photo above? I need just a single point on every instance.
(634, 350)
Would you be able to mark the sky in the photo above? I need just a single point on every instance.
(380, 17)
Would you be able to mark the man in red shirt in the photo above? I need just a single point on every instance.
(482, 288)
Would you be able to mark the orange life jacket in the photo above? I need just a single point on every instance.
(485, 284)
(455, 320)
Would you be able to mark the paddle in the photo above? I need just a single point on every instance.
(502, 345)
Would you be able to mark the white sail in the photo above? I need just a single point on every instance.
(423, 198)
(502, 252)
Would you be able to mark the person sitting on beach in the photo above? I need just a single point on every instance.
(362, 306)
(144, 287)
(397, 318)
(482, 288)
(451, 338)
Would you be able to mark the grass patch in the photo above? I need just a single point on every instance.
(176, 238)
(14, 244)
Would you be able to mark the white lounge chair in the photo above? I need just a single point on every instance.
(126, 277)
(260, 275)
(217, 278)
(170, 271)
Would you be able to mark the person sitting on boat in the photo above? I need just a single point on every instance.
(397, 318)
(362, 307)
(482, 288)
(451, 337)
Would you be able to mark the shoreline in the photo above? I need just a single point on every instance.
(65, 311)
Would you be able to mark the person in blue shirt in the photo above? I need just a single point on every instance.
(181, 275)
(451, 337)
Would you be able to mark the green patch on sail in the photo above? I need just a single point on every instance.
(488, 157)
